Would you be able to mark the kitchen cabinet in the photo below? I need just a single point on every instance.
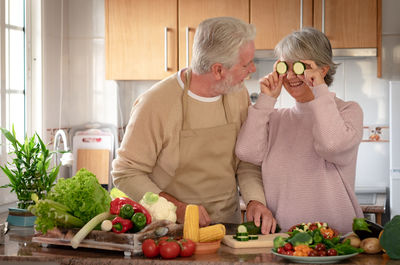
(141, 39)
(349, 24)
(142, 36)
(192, 12)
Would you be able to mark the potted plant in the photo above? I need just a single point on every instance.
(29, 172)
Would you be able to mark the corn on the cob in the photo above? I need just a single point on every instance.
(191, 225)
(212, 233)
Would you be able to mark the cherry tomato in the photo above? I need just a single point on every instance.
(322, 253)
(332, 252)
(281, 250)
(289, 252)
(150, 248)
(288, 246)
(320, 247)
(187, 247)
(170, 249)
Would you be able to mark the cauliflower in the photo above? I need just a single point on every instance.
(159, 207)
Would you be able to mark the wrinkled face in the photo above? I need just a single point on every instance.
(294, 85)
(237, 73)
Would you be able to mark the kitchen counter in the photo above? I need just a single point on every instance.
(18, 248)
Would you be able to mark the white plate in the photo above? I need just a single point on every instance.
(324, 259)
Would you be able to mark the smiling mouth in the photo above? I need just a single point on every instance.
(295, 84)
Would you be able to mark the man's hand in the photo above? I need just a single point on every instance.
(204, 218)
(260, 214)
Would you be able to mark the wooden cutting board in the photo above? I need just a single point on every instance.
(263, 241)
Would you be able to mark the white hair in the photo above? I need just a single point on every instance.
(218, 40)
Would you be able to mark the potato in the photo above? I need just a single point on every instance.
(371, 245)
(354, 240)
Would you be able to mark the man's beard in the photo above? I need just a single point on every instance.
(225, 86)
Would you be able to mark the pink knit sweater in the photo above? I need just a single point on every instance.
(308, 156)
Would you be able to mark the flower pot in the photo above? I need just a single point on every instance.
(20, 217)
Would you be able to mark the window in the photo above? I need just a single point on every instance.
(13, 67)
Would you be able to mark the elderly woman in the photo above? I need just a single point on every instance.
(308, 152)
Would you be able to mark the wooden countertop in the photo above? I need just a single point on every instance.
(17, 247)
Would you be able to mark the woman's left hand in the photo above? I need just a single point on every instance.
(313, 76)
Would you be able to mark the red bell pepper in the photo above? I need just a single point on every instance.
(121, 225)
(117, 203)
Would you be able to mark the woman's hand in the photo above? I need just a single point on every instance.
(313, 76)
(271, 84)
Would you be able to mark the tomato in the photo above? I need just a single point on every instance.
(170, 249)
(163, 240)
(313, 253)
(281, 250)
(150, 248)
(289, 252)
(187, 247)
(322, 253)
(320, 246)
(332, 252)
(288, 246)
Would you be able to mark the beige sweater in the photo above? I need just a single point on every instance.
(149, 153)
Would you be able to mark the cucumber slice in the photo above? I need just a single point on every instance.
(241, 229)
(299, 68)
(253, 237)
(242, 238)
(242, 234)
(281, 67)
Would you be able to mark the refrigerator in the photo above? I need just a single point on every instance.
(394, 147)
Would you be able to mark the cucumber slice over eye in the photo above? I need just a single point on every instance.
(281, 67)
(299, 68)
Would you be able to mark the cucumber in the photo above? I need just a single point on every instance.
(242, 229)
(281, 67)
(253, 237)
(299, 68)
(242, 238)
(252, 229)
(242, 234)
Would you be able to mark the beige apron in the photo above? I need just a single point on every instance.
(206, 170)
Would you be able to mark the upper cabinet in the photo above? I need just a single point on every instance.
(141, 39)
(274, 19)
(347, 23)
(151, 39)
(192, 12)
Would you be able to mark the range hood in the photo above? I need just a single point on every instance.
(356, 52)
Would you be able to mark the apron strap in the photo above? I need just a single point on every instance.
(185, 97)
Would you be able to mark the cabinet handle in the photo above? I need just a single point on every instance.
(166, 48)
(187, 46)
(301, 14)
(323, 17)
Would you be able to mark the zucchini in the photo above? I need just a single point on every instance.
(242, 229)
(281, 67)
(253, 237)
(242, 238)
(299, 68)
(252, 229)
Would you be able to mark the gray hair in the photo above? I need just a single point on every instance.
(218, 40)
(310, 44)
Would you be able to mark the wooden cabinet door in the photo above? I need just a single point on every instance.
(141, 39)
(274, 19)
(192, 12)
(348, 23)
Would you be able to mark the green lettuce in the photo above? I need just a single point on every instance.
(72, 202)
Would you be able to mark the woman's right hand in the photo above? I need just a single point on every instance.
(271, 84)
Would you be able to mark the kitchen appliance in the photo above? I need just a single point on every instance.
(394, 119)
